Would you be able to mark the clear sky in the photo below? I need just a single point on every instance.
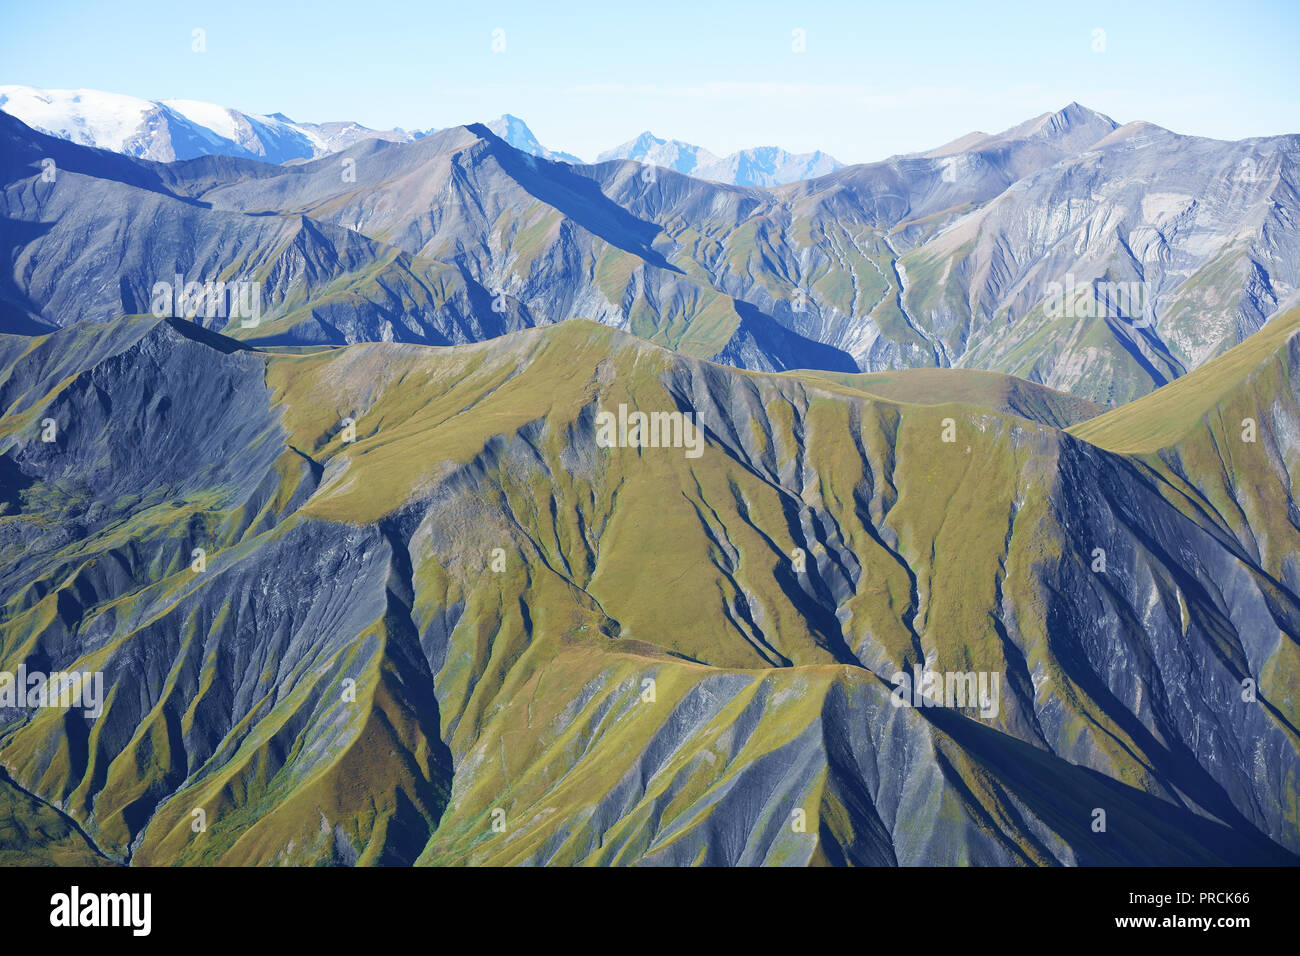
(873, 79)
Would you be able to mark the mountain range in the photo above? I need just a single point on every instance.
(763, 166)
(168, 130)
(943, 260)
(464, 632)
(507, 510)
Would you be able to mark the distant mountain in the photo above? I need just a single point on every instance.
(409, 249)
(1072, 129)
(1099, 260)
(761, 166)
(666, 153)
(768, 166)
(167, 130)
(516, 132)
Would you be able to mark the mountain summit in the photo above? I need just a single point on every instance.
(167, 130)
(1073, 128)
(667, 153)
(516, 132)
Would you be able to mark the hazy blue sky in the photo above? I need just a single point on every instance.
(875, 78)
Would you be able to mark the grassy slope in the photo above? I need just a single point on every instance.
(715, 534)
(1195, 401)
(632, 564)
(995, 391)
(1194, 433)
(33, 834)
(1192, 436)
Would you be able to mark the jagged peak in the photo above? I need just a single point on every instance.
(1062, 122)
(1074, 114)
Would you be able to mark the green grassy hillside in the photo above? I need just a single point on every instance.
(440, 622)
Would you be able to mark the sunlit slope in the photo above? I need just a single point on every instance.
(35, 834)
(961, 553)
(727, 767)
(1226, 439)
(440, 526)
(222, 686)
(1257, 370)
(992, 390)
